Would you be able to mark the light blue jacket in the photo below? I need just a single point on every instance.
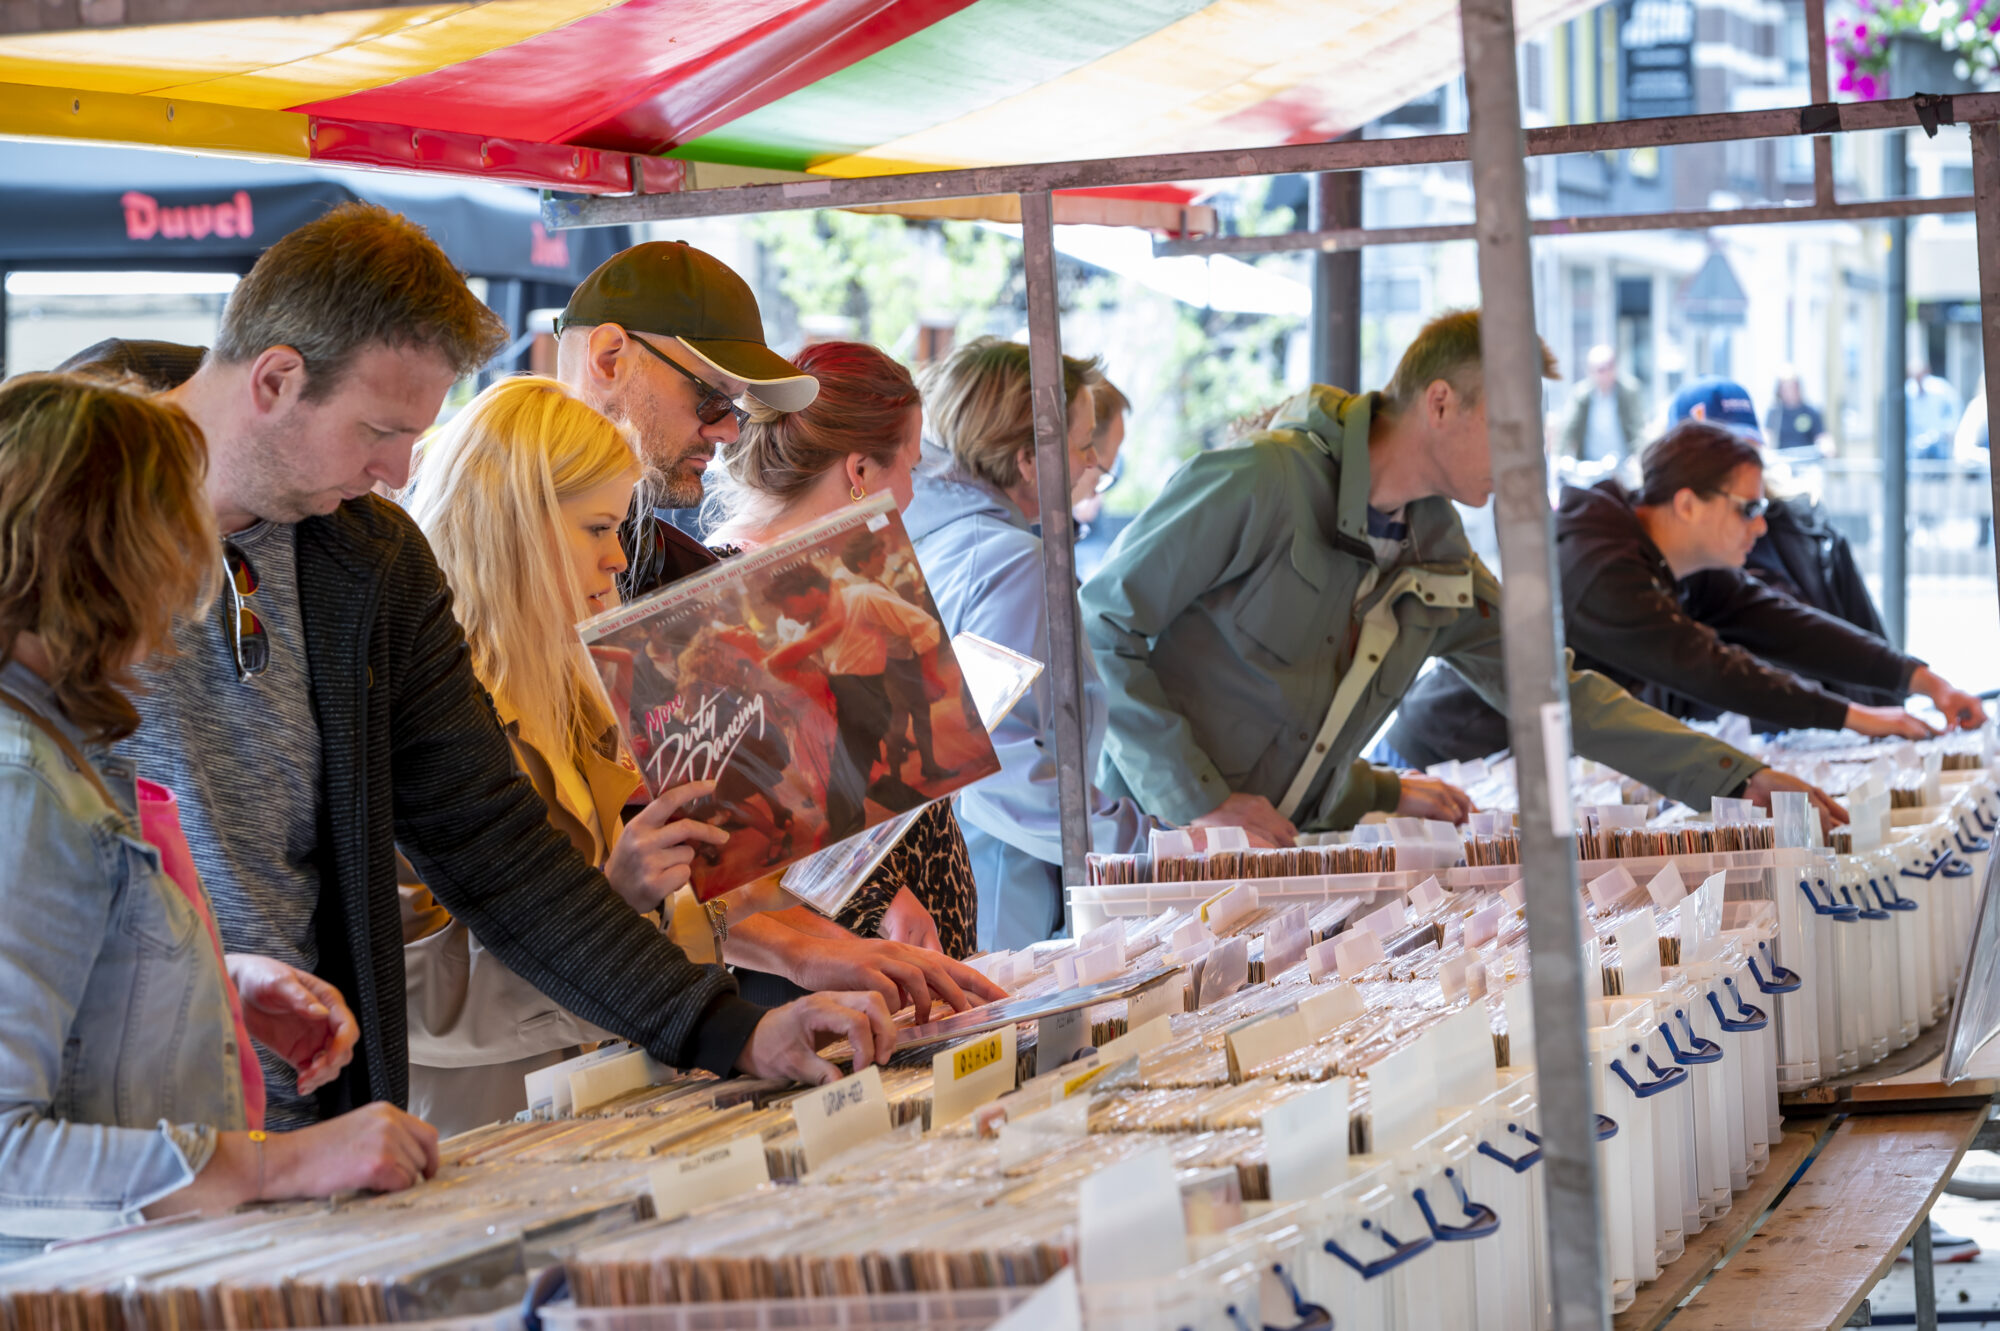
(118, 1059)
(984, 566)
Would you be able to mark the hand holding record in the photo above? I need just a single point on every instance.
(654, 857)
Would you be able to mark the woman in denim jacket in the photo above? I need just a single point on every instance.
(121, 1073)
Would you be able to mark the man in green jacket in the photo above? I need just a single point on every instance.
(1262, 618)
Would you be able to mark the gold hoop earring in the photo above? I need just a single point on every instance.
(856, 493)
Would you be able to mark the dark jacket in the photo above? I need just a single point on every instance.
(414, 756)
(657, 554)
(1803, 556)
(1717, 641)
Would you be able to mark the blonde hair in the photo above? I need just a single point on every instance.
(105, 535)
(980, 407)
(489, 500)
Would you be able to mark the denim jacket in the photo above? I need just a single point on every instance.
(118, 1061)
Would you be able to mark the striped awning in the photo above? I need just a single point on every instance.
(612, 95)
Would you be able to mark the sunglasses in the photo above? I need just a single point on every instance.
(247, 636)
(714, 404)
(1107, 479)
(1747, 509)
(710, 408)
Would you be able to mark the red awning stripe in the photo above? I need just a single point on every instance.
(646, 75)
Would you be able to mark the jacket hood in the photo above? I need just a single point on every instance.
(1316, 410)
(1595, 524)
(945, 494)
(1604, 508)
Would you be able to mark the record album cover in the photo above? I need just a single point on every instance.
(811, 680)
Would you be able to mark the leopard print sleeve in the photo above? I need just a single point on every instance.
(932, 861)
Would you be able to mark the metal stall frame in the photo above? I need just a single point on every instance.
(1496, 148)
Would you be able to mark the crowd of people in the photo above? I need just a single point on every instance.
(324, 835)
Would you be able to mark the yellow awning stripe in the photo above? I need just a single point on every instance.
(274, 63)
(164, 122)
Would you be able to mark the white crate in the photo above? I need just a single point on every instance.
(959, 1310)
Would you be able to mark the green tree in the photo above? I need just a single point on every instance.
(885, 272)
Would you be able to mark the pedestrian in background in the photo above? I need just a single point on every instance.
(1793, 426)
(1607, 413)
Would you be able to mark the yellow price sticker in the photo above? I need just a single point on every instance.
(973, 1057)
(1074, 1084)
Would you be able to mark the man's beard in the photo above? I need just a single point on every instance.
(678, 487)
(667, 481)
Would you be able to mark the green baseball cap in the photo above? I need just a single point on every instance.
(672, 289)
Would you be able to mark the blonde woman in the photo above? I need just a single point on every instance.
(521, 497)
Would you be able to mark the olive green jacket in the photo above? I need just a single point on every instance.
(1231, 610)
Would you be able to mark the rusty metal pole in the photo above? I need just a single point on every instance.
(1065, 663)
(1537, 677)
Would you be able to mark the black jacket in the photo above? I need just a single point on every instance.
(415, 756)
(1717, 641)
(657, 554)
(1803, 556)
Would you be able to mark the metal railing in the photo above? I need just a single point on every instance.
(1950, 533)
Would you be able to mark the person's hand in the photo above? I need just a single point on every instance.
(784, 1042)
(654, 857)
(377, 1147)
(1433, 797)
(1962, 710)
(1880, 721)
(908, 921)
(297, 1016)
(899, 974)
(1264, 825)
(1759, 788)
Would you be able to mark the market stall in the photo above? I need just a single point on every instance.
(1388, 1225)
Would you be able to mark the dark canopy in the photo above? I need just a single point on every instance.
(79, 207)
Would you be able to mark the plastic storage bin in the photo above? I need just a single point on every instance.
(959, 1310)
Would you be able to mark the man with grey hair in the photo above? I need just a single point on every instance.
(1606, 413)
(665, 339)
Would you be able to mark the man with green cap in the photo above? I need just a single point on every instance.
(664, 339)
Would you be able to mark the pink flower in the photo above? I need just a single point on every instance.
(1866, 86)
(1861, 32)
(1847, 82)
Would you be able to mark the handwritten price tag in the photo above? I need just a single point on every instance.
(972, 1074)
(686, 1183)
(839, 1117)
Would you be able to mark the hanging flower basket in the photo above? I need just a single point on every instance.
(1897, 48)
